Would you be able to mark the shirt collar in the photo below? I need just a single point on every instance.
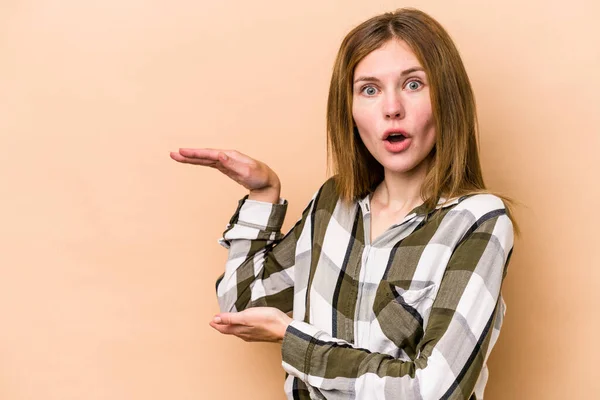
(365, 205)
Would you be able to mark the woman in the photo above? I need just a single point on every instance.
(393, 272)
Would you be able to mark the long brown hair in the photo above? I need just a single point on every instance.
(455, 169)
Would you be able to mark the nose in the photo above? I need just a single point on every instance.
(393, 107)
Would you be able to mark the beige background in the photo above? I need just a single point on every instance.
(109, 249)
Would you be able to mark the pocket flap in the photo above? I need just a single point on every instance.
(415, 296)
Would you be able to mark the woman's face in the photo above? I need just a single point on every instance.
(392, 108)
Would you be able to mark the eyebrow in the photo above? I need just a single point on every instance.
(373, 79)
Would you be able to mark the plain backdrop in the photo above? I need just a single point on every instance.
(108, 248)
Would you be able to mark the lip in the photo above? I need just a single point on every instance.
(397, 147)
(388, 132)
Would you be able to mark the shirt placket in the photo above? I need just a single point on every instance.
(369, 271)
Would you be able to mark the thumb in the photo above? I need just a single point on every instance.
(224, 158)
(227, 318)
(228, 162)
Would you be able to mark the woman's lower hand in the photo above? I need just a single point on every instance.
(256, 176)
(256, 324)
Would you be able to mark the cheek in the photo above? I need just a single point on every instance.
(425, 121)
(363, 118)
(429, 133)
(357, 114)
(362, 121)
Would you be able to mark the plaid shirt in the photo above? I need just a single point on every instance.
(412, 315)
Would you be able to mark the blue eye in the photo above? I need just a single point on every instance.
(369, 90)
(413, 85)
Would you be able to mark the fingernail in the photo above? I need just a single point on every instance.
(217, 320)
(224, 156)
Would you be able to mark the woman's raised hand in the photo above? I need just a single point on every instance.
(256, 176)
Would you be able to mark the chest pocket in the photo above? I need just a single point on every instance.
(403, 314)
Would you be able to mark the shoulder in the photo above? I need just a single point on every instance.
(486, 214)
(482, 205)
(481, 212)
(328, 192)
(326, 199)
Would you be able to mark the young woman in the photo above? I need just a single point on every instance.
(393, 272)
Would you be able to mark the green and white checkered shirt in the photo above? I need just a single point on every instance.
(413, 315)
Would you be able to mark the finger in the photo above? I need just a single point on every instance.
(230, 318)
(230, 159)
(188, 160)
(224, 329)
(196, 161)
(200, 153)
(213, 154)
(232, 329)
(224, 319)
(189, 155)
(176, 156)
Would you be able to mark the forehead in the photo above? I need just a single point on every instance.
(394, 56)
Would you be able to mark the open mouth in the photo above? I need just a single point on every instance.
(395, 137)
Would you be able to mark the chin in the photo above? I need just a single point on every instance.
(401, 168)
(395, 169)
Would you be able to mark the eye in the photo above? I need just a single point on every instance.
(369, 90)
(414, 85)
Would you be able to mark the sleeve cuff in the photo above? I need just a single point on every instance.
(262, 215)
(296, 349)
(255, 219)
(299, 341)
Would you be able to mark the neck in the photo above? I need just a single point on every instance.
(400, 191)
